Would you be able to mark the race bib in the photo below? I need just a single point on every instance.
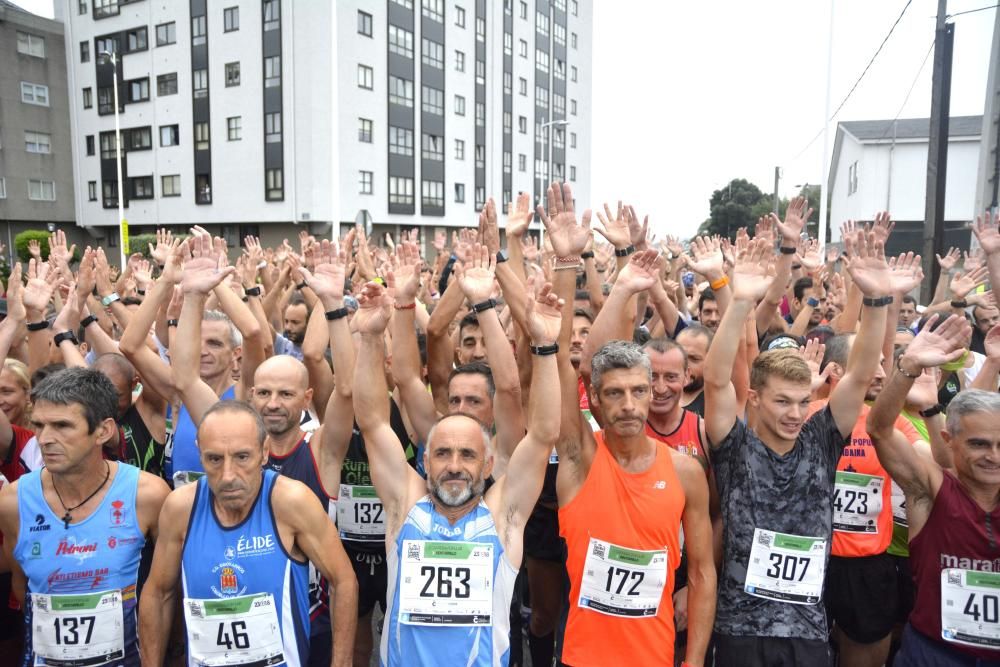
(182, 477)
(446, 583)
(857, 502)
(899, 506)
(360, 517)
(618, 581)
(240, 631)
(71, 630)
(553, 457)
(787, 568)
(970, 607)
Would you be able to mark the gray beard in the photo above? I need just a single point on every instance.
(460, 498)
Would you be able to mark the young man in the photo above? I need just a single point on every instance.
(74, 530)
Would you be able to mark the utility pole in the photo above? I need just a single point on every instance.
(937, 150)
(777, 177)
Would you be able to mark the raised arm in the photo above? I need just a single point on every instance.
(314, 347)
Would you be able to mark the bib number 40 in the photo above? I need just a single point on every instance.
(451, 582)
(70, 628)
(787, 567)
(988, 609)
(234, 636)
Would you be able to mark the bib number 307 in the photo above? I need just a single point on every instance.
(970, 607)
(788, 568)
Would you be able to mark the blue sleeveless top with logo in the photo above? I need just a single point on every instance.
(80, 604)
(450, 588)
(184, 457)
(238, 563)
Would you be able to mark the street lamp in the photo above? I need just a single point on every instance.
(118, 158)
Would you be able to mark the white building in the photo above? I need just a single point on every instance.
(881, 165)
(256, 115)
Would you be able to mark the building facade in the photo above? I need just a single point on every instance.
(36, 175)
(268, 116)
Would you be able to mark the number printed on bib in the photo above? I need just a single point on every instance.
(623, 582)
(899, 506)
(77, 629)
(446, 583)
(788, 568)
(233, 631)
(970, 607)
(857, 502)
(360, 517)
(184, 477)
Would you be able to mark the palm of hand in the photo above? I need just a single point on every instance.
(544, 323)
(200, 274)
(902, 281)
(750, 280)
(407, 281)
(931, 349)
(567, 237)
(371, 318)
(636, 278)
(705, 262)
(871, 274)
(988, 237)
(992, 343)
(517, 221)
(617, 232)
(477, 283)
(37, 294)
(328, 280)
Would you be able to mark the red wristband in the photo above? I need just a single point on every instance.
(409, 307)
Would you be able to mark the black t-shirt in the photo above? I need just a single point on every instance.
(697, 406)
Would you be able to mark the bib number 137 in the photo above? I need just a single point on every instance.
(73, 630)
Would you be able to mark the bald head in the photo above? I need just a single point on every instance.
(281, 393)
(122, 374)
(285, 366)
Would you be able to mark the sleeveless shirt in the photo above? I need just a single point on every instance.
(184, 455)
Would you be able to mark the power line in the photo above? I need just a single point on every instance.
(912, 86)
(971, 11)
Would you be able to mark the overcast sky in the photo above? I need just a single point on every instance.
(688, 96)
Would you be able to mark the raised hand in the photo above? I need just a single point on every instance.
(476, 276)
(327, 277)
(374, 309)
(924, 392)
(143, 274)
(674, 246)
(440, 240)
(488, 230)
(867, 266)
(809, 256)
(567, 237)
(39, 290)
(812, 353)
(950, 259)
(991, 343)
(172, 269)
(406, 273)
(641, 273)
(164, 246)
(102, 273)
(614, 228)
(519, 215)
(203, 272)
(706, 257)
(962, 284)
(461, 244)
(882, 227)
(68, 318)
(637, 233)
(974, 259)
(15, 295)
(35, 250)
(932, 348)
(86, 279)
(529, 247)
(905, 274)
(58, 250)
(543, 314)
(796, 216)
(987, 233)
(764, 229)
(751, 274)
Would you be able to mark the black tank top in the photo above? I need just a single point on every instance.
(300, 465)
(140, 448)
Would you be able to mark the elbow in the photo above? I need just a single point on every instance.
(253, 331)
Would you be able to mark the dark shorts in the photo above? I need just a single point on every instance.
(373, 578)
(541, 535)
(861, 596)
(320, 649)
(920, 651)
(904, 589)
(770, 652)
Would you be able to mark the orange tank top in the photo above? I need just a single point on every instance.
(622, 540)
(686, 438)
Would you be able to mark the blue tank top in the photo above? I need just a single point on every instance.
(97, 555)
(248, 559)
(440, 559)
(184, 457)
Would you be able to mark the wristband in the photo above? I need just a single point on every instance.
(812, 302)
(959, 303)
(337, 314)
(903, 372)
(410, 306)
(877, 302)
(502, 256)
(110, 299)
(785, 250)
(172, 323)
(37, 326)
(252, 291)
(719, 284)
(87, 321)
(65, 335)
(545, 350)
(586, 255)
(140, 292)
(931, 411)
(624, 252)
(301, 286)
(484, 305)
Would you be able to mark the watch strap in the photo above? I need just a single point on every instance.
(877, 302)
(624, 252)
(484, 305)
(545, 350)
(931, 411)
(64, 335)
(337, 314)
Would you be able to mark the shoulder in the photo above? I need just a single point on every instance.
(290, 496)
(179, 502)
(688, 469)
(151, 490)
(8, 506)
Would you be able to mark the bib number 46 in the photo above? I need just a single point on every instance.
(787, 567)
(69, 629)
(233, 637)
(451, 582)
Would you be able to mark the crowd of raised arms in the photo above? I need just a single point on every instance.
(589, 450)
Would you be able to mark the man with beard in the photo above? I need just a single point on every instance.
(295, 319)
(454, 551)
(695, 340)
(280, 394)
(986, 317)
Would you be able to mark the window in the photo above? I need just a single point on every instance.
(572, 139)
(506, 121)
(272, 14)
(364, 23)
(572, 173)
(400, 41)
(203, 188)
(572, 40)
(104, 101)
(138, 90)
(108, 146)
(138, 139)
(201, 136)
(459, 61)
(41, 190)
(231, 19)
(459, 105)
(232, 74)
(506, 162)
(433, 9)
(90, 144)
(480, 71)
(272, 71)
(522, 124)
(559, 4)
(524, 9)
(34, 93)
(366, 77)
(432, 100)
(480, 29)
(234, 128)
(169, 135)
(400, 140)
(508, 44)
(3, 188)
(140, 187)
(408, 4)
(542, 97)
(432, 53)
(572, 73)
(400, 190)
(199, 82)
(572, 107)
(37, 142)
(542, 23)
(508, 83)
(272, 127)
(508, 6)
(31, 45)
(110, 194)
(459, 17)
(109, 44)
(480, 197)
(166, 33)
(480, 156)
(85, 52)
(82, 9)
(88, 98)
(170, 186)
(275, 179)
(522, 48)
(540, 169)
(432, 194)
(558, 137)
(558, 104)
(432, 147)
(852, 178)
(459, 193)
(136, 40)
(559, 34)
(560, 69)
(400, 91)
(199, 29)
(91, 190)
(105, 8)
(367, 179)
(522, 86)
(364, 130)
(575, 6)
(542, 60)
(459, 149)
(166, 84)
(522, 162)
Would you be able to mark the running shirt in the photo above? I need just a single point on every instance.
(778, 504)
(183, 464)
(899, 546)
(15, 464)
(697, 406)
(622, 540)
(242, 590)
(141, 448)
(955, 561)
(80, 603)
(686, 438)
(450, 588)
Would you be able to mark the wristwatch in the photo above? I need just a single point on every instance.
(502, 256)
(110, 299)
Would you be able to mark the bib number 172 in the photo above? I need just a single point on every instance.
(234, 636)
(70, 628)
(623, 576)
(787, 567)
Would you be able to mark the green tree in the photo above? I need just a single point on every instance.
(732, 207)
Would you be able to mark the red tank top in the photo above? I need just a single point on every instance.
(958, 535)
(616, 530)
(686, 438)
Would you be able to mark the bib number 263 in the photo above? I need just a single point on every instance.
(451, 582)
